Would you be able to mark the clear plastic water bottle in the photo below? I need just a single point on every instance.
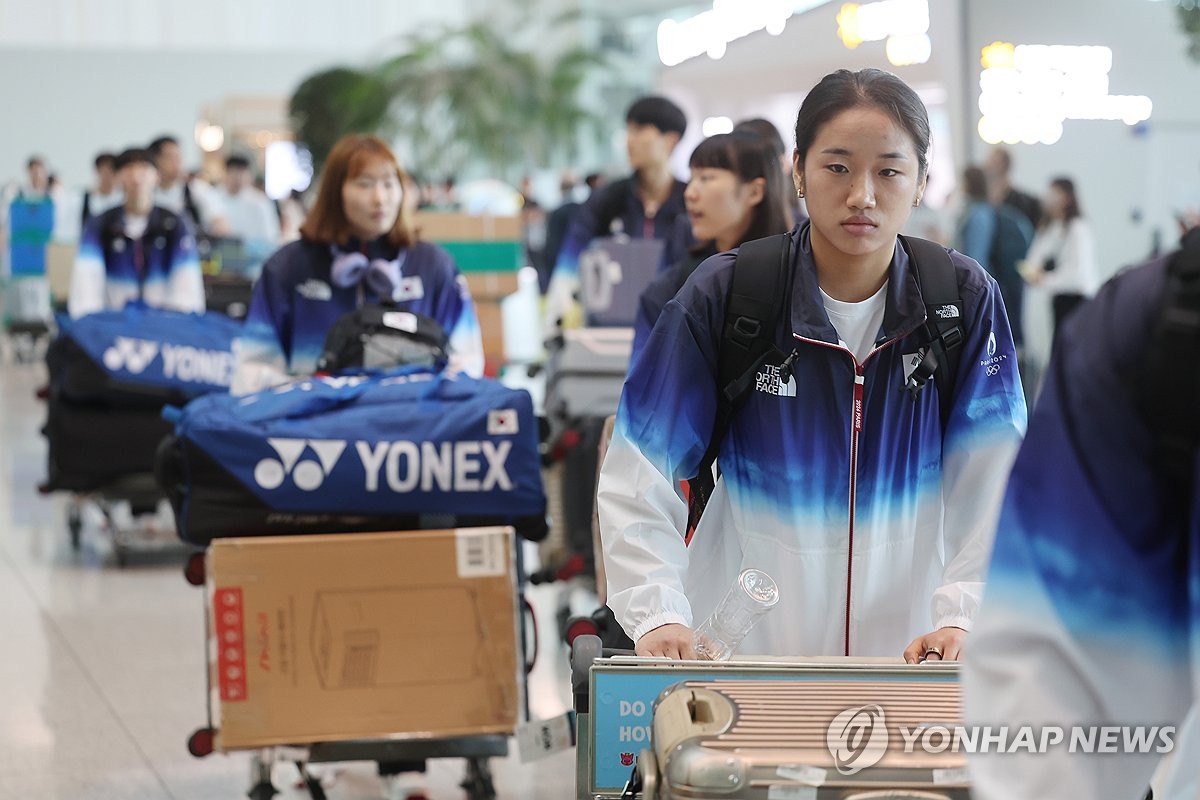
(752, 595)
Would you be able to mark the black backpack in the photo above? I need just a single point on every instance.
(612, 205)
(379, 336)
(757, 296)
(1168, 387)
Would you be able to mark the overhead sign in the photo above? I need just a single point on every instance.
(1028, 91)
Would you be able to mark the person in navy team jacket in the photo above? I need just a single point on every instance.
(357, 246)
(136, 251)
(875, 522)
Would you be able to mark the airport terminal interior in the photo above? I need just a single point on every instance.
(314, 314)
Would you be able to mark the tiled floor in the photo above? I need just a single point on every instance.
(102, 668)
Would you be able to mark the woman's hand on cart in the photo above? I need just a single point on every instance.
(944, 644)
(670, 641)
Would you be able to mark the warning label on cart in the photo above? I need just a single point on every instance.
(229, 614)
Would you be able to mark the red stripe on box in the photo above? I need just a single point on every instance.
(231, 644)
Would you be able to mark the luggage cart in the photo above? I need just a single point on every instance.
(110, 376)
(397, 754)
(614, 694)
(130, 539)
(27, 319)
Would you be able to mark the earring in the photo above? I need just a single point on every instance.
(799, 194)
(917, 203)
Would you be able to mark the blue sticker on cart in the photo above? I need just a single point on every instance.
(623, 706)
(622, 715)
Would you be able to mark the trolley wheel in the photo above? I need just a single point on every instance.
(313, 784)
(75, 526)
(580, 626)
(201, 743)
(194, 571)
(262, 791)
(478, 780)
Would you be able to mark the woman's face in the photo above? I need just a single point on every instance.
(371, 200)
(860, 178)
(720, 206)
(1054, 203)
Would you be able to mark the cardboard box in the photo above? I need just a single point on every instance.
(491, 285)
(491, 326)
(60, 262)
(350, 637)
(452, 227)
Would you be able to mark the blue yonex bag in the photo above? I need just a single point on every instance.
(111, 373)
(401, 450)
(146, 352)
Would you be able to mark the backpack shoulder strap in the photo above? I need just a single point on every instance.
(190, 208)
(756, 299)
(612, 203)
(943, 324)
(1170, 381)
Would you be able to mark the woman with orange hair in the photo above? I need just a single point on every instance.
(356, 246)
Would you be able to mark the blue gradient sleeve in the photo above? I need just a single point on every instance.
(1094, 586)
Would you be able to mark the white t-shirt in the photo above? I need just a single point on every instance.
(135, 225)
(203, 196)
(857, 324)
(251, 215)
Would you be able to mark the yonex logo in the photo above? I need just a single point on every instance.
(132, 355)
(308, 475)
(857, 738)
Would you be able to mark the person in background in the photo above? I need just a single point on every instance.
(105, 193)
(1062, 258)
(1092, 611)
(195, 200)
(357, 246)
(897, 568)
(771, 135)
(998, 167)
(977, 222)
(733, 196)
(251, 215)
(292, 210)
(647, 205)
(136, 251)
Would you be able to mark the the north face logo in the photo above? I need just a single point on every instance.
(768, 381)
(132, 355)
(313, 289)
(308, 475)
(947, 312)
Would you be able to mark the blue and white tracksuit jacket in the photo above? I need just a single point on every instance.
(1092, 613)
(874, 523)
(161, 269)
(295, 303)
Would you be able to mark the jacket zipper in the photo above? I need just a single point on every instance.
(857, 414)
